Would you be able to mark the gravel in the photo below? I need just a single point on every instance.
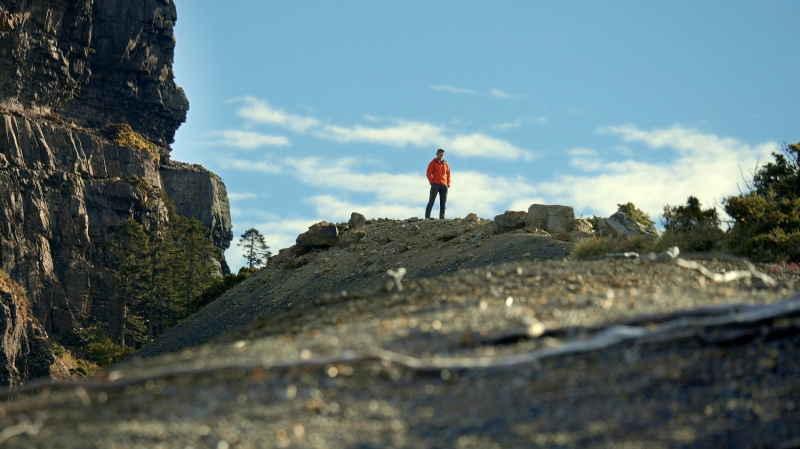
(375, 367)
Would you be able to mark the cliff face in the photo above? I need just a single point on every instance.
(68, 69)
(25, 351)
(93, 62)
(201, 195)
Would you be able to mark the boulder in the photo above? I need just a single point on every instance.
(509, 221)
(284, 255)
(582, 225)
(471, 217)
(551, 218)
(621, 225)
(319, 234)
(356, 220)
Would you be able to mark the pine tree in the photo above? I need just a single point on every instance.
(200, 259)
(255, 247)
(161, 265)
(131, 248)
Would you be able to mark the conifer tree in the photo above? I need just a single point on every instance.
(255, 248)
(161, 265)
(130, 247)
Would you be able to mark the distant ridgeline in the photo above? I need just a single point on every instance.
(88, 109)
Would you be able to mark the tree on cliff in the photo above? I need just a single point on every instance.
(161, 266)
(200, 258)
(131, 248)
(255, 248)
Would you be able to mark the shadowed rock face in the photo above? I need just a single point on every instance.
(68, 69)
(25, 351)
(93, 62)
(200, 194)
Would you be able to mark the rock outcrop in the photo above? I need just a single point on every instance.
(68, 72)
(508, 221)
(551, 218)
(322, 234)
(25, 352)
(200, 194)
(93, 63)
(621, 225)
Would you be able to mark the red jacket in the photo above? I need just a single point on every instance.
(438, 172)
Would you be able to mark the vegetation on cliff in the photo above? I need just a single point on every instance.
(123, 135)
(161, 265)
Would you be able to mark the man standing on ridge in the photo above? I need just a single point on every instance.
(439, 177)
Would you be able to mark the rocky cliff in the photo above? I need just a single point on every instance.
(93, 63)
(25, 351)
(68, 71)
(200, 194)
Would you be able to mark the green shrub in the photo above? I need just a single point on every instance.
(599, 246)
(691, 228)
(766, 220)
(123, 135)
(220, 286)
(84, 368)
(93, 344)
(636, 214)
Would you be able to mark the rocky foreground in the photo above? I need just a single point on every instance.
(508, 352)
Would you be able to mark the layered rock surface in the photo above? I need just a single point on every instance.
(67, 71)
(25, 351)
(93, 63)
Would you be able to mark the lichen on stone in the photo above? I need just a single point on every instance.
(123, 135)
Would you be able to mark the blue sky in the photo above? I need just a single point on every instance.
(312, 110)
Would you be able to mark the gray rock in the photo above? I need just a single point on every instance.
(551, 218)
(508, 221)
(582, 225)
(319, 234)
(93, 63)
(68, 69)
(26, 352)
(621, 225)
(356, 220)
(200, 194)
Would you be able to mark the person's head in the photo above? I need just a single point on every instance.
(440, 154)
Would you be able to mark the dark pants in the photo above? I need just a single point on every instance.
(441, 190)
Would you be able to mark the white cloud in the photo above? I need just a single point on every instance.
(452, 89)
(339, 210)
(703, 165)
(517, 123)
(401, 134)
(405, 195)
(503, 95)
(232, 196)
(508, 125)
(247, 139)
(260, 111)
(253, 166)
(404, 133)
(340, 174)
(475, 145)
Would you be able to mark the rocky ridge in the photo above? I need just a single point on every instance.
(494, 340)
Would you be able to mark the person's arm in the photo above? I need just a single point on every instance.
(447, 166)
(429, 174)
